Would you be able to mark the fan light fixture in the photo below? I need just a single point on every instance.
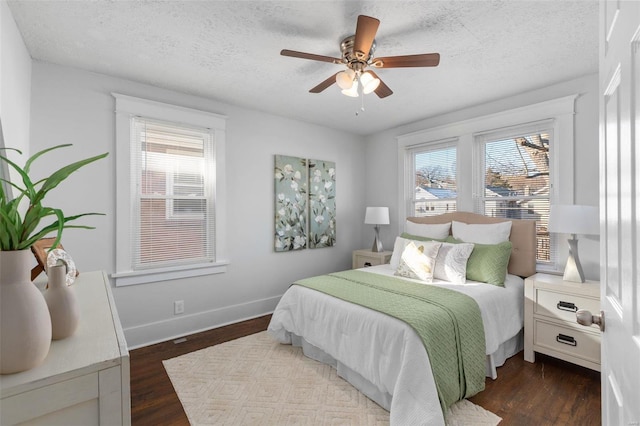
(348, 82)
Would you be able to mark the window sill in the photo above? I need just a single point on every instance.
(165, 274)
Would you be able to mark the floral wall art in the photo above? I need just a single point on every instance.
(302, 183)
(322, 203)
(291, 177)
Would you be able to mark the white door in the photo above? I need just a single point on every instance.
(620, 209)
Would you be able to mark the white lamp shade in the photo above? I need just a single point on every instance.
(573, 219)
(369, 82)
(377, 216)
(353, 92)
(345, 79)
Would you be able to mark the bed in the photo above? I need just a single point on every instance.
(383, 356)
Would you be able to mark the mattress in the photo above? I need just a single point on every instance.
(381, 355)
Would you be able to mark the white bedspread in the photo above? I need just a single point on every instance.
(385, 351)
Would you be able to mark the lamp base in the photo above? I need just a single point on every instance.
(377, 244)
(573, 270)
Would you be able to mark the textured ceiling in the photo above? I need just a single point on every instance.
(229, 50)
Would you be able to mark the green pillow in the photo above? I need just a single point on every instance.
(488, 262)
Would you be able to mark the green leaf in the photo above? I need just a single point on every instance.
(27, 165)
(30, 192)
(61, 174)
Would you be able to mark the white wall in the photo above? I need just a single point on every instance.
(73, 106)
(382, 163)
(15, 86)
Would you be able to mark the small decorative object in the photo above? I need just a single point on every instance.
(41, 249)
(61, 299)
(59, 255)
(377, 216)
(573, 219)
(322, 203)
(290, 203)
(24, 317)
(25, 324)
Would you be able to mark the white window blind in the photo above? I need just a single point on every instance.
(514, 181)
(435, 179)
(172, 176)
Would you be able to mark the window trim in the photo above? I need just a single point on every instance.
(560, 110)
(126, 107)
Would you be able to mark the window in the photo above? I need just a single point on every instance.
(434, 171)
(513, 181)
(170, 181)
(511, 164)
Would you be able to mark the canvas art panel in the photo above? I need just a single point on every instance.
(322, 203)
(291, 179)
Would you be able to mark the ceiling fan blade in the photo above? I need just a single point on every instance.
(365, 33)
(382, 90)
(313, 57)
(424, 60)
(328, 82)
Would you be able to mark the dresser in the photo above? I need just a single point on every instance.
(85, 378)
(364, 258)
(550, 325)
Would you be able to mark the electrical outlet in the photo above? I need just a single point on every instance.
(178, 307)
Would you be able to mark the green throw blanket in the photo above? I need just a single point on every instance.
(448, 322)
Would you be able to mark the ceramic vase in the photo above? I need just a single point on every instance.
(25, 324)
(62, 303)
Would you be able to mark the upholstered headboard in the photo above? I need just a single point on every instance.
(523, 238)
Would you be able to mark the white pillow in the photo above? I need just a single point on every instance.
(398, 248)
(485, 233)
(418, 260)
(428, 230)
(451, 263)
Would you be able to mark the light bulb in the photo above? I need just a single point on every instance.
(345, 79)
(369, 82)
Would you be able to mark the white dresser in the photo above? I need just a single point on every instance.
(85, 378)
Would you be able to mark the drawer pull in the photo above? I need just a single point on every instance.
(567, 306)
(367, 264)
(567, 340)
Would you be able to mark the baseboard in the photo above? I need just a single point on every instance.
(183, 325)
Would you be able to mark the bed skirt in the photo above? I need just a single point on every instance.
(383, 399)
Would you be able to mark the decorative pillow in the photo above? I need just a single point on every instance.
(417, 261)
(401, 243)
(429, 230)
(488, 262)
(451, 263)
(485, 233)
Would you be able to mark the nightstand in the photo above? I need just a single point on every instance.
(550, 325)
(364, 258)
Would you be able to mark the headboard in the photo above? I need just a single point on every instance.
(523, 237)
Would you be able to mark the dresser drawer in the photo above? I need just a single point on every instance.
(567, 340)
(563, 306)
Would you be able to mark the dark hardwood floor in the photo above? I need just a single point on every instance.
(549, 392)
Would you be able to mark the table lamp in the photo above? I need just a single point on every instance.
(377, 216)
(574, 219)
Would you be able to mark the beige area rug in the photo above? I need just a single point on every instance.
(256, 381)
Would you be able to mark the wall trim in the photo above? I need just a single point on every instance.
(184, 325)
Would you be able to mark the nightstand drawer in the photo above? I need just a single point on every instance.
(567, 340)
(364, 261)
(563, 306)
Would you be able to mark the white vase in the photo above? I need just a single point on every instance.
(25, 325)
(62, 303)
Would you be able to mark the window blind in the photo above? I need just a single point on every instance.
(514, 182)
(172, 176)
(435, 184)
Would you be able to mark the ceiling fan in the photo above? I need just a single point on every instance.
(357, 55)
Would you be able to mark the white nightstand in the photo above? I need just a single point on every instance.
(550, 325)
(364, 258)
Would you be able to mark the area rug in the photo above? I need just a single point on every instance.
(256, 381)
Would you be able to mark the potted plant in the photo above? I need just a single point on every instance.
(25, 333)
